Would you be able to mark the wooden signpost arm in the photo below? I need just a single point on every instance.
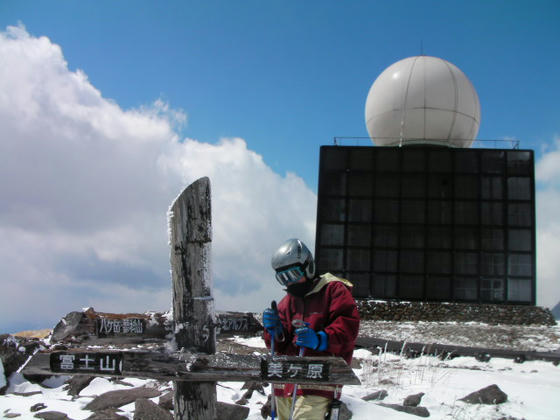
(190, 226)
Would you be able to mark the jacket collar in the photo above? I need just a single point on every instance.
(326, 279)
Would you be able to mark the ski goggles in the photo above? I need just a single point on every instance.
(289, 275)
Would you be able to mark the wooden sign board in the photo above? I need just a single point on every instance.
(294, 371)
(194, 367)
(87, 363)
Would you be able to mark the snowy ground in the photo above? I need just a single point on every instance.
(532, 387)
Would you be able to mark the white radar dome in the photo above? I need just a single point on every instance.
(422, 100)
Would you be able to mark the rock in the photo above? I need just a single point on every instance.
(252, 386)
(345, 413)
(148, 410)
(231, 411)
(66, 326)
(52, 415)
(490, 395)
(166, 401)
(377, 395)
(107, 414)
(114, 399)
(14, 351)
(37, 407)
(242, 401)
(413, 400)
(266, 409)
(417, 411)
(11, 415)
(78, 382)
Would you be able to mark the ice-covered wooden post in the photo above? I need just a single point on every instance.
(190, 226)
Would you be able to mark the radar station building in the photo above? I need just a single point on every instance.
(421, 215)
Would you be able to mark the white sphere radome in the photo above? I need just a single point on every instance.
(422, 100)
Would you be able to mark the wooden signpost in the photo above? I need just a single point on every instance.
(194, 368)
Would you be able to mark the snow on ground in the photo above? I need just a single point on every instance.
(532, 387)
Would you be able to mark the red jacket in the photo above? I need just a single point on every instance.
(329, 307)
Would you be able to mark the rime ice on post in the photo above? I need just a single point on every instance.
(190, 229)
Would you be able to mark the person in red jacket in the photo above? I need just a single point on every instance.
(326, 304)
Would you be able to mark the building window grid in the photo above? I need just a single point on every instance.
(426, 226)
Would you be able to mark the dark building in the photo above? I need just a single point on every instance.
(428, 223)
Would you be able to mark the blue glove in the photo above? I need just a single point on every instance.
(271, 322)
(306, 337)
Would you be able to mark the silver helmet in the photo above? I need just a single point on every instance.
(294, 253)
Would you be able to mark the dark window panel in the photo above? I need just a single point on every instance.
(333, 210)
(465, 288)
(440, 186)
(414, 160)
(520, 240)
(466, 263)
(439, 262)
(492, 162)
(466, 238)
(466, 213)
(520, 265)
(440, 212)
(411, 261)
(359, 235)
(331, 259)
(493, 264)
(411, 287)
(413, 186)
(361, 159)
(360, 210)
(520, 214)
(385, 236)
(360, 184)
(413, 211)
(519, 188)
(492, 188)
(334, 158)
(333, 183)
(519, 163)
(492, 213)
(519, 290)
(466, 186)
(466, 161)
(438, 287)
(332, 234)
(385, 260)
(492, 290)
(387, 160)
(439, 161)
(492, 239)
(384, 285)
(412, 236)
(386, 185)
(386, 211)
(439, 237)
(361, 282)
(358, 259)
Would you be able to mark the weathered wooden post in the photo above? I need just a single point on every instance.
(190, 227)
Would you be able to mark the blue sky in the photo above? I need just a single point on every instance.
(285, 77)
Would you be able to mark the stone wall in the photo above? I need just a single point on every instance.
(460, 312)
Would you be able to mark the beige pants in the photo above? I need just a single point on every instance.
(308, 407)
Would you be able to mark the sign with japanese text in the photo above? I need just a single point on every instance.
(106, 327)
(276, 370)
(98, 363)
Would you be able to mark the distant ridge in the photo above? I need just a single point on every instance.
(556, 311)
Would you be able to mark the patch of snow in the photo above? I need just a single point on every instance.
(256, 342)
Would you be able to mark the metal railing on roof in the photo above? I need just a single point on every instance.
(396, 141)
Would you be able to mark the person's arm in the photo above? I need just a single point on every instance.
(344, 320)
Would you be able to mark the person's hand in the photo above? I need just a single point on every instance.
(307, 337)
(271, 322)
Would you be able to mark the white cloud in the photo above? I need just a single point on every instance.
(86, 186)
